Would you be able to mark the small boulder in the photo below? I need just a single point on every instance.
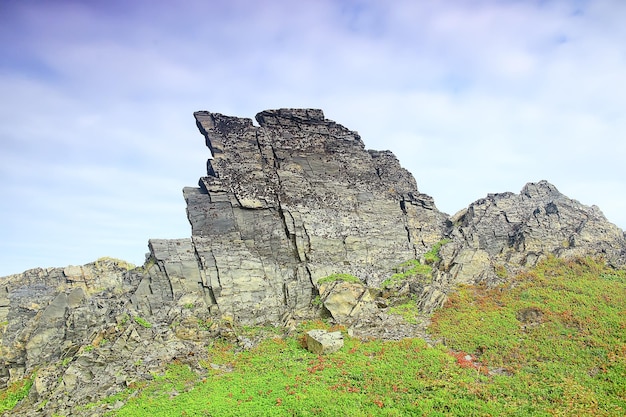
(321, 341)
(346, 301)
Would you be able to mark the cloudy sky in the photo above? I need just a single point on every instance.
(97, 137)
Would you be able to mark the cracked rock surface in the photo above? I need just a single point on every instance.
(286, 203)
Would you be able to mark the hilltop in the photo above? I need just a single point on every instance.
(294, 220)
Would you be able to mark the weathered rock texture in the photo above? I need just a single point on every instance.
(283, 204)
(288, 203)
(502, 233)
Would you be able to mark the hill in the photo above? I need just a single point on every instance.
(296, 221)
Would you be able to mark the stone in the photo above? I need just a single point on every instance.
(322, 342)
(507, 232)
(346, 301)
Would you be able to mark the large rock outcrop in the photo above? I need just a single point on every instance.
(283, 205)
(286, 203)
(499, 235)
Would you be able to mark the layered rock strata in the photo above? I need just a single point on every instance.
(285, 204)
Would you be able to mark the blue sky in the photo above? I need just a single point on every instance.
(97, 137)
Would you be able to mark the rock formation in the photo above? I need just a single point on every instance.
(283, 205)
(498, 235)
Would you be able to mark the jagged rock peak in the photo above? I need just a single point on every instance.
(509, 231)
(541, 189)
(282, 205)
(288, 202)
(284, 117)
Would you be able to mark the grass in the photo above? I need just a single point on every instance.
(339, 277)
(570, 361)
(364, 378)
(432, 255)
(142, 322)
(409, 269)
(567, 358)
(15, 392)
(407, 310)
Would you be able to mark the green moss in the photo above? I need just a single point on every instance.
(563, 360)
(317, 301)
(409, 269)
(339, 277)
(15, 392)
(205, 324)
(142, 322)
(500, 271)
(408, 311)
(432, 256)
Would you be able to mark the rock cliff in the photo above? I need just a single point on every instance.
(283, 205)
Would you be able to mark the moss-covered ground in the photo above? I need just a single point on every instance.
(566, 358)
(551, 342)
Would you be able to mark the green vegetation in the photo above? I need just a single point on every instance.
(550, 343)
(149, 264)
(339, 277)
(118, 262)
(317, 301)
(566, 358)
(409, 269)
(142, 322)
(500, 271)
(123, 321)
(432, 255)
(205, 324)
(408, 311)
(15, 392)
(280, 378)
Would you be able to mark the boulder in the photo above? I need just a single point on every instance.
(346, 301)
(322, 342)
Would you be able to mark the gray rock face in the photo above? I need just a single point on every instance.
(346, 301)
(287, 203)
(521, 228)
(498, 235)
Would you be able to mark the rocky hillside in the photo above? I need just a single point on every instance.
(283, 206)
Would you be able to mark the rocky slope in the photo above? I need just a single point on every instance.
(283, 205)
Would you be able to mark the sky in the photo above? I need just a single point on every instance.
(97, 136)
